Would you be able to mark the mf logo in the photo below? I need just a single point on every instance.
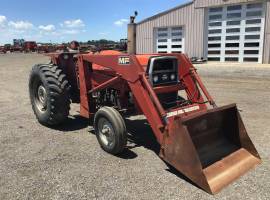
(124, 60)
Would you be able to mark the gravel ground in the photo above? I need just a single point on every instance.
(41, 163)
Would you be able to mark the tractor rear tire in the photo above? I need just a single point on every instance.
(49, 94)
(110, 130)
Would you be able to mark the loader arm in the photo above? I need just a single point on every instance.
(133, 73)
(208, 145)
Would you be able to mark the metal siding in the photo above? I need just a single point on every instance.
(193, 21)
(209, 3)
(266, 53)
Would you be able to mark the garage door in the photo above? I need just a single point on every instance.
(169, 40)
(236, 32)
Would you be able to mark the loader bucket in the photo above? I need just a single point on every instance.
(211, 149)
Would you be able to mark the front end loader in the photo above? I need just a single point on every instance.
(206, 143)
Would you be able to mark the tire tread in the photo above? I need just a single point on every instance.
(58, 90)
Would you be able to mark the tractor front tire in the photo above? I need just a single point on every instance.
(110, 130)
(49, 94)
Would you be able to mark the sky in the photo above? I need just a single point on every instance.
(65, 20)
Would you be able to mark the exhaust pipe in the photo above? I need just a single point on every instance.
(131, 45)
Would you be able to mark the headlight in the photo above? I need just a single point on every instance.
(155, 79)
(173, 77)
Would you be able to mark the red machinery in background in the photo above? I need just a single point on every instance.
(2, 50)
(30, 46)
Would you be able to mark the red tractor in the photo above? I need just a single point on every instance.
(206, 143)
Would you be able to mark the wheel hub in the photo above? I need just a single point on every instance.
(106, 132)
(41, 98)
(42, 94)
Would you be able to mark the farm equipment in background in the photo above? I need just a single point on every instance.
(87, 48)
(17, 45)
(29, 46)
(8, 48)
(50, 48)
(206, 143)
(20, 46)
(16, 49)
(2, 50)
(45, 48)
(60, 47)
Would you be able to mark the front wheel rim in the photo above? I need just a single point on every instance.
(106, 132)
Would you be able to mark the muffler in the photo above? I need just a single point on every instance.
(212, 148)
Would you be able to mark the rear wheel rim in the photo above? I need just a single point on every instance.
(41, 98)
(106, 132)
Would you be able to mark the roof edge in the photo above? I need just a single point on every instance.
(166, 12)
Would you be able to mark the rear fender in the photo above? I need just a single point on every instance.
(68, 63)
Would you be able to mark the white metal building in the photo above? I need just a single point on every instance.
(219, 30)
